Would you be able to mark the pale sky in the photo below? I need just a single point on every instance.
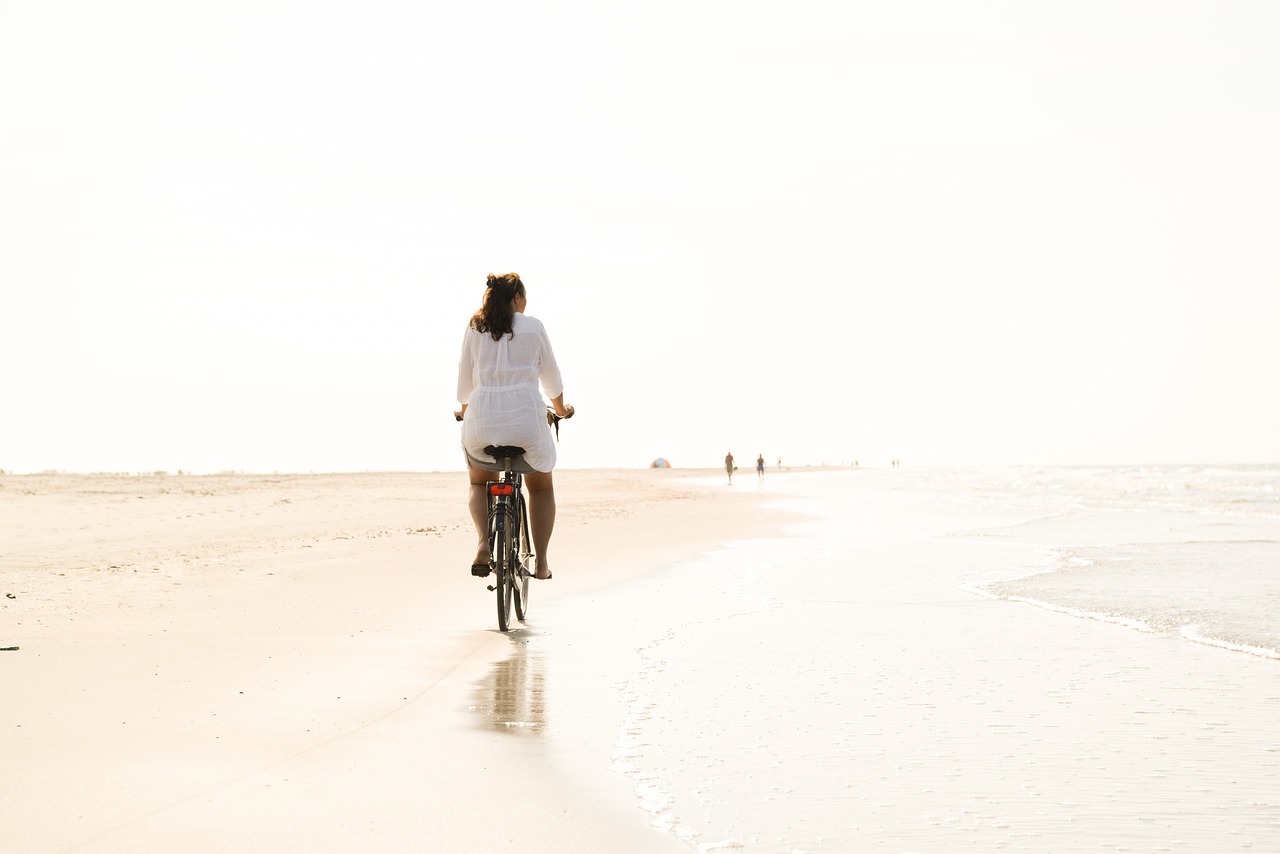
(248, 235)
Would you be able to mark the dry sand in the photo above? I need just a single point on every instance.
(290, 662)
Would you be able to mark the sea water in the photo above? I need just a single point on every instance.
(1192, 550)
(1036, 659)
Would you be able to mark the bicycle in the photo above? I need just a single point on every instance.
(510, 546)
(509, 543)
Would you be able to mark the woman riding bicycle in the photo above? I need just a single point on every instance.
(505, 356)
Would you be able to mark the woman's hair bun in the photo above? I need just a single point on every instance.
(507, 281)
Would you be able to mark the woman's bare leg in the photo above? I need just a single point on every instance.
(478, 504)
(542, 516)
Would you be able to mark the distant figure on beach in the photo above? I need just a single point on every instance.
(728, 466)
(506, 355)
(760, 466)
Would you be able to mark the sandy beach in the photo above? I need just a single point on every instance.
(303, 663)
(288, 663)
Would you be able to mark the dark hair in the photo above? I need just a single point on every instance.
(497, 315)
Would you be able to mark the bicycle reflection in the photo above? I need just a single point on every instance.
(511, 697)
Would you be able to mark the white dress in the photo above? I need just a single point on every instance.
(498, 380)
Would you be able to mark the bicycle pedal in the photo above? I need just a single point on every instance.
(492, 588)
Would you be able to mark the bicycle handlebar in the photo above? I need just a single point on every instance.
(553, 420)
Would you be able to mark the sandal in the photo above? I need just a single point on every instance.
(480, 570)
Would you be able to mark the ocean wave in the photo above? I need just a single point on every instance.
(1127, 622)
(1193, 634)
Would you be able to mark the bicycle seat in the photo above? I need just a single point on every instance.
(504, 452)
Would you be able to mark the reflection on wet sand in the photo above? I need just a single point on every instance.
(511, 697)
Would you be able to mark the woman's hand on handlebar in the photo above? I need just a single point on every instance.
(557, 409)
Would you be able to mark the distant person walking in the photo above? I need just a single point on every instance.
(728, 466)
(760, 466)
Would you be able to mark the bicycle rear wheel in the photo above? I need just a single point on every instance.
(524, 556)
(503, 560)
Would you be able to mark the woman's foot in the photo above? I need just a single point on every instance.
(543, 572)
(480, 566)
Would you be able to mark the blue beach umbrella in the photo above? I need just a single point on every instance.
(660, 463)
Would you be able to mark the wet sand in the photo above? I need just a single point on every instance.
(303, 662)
